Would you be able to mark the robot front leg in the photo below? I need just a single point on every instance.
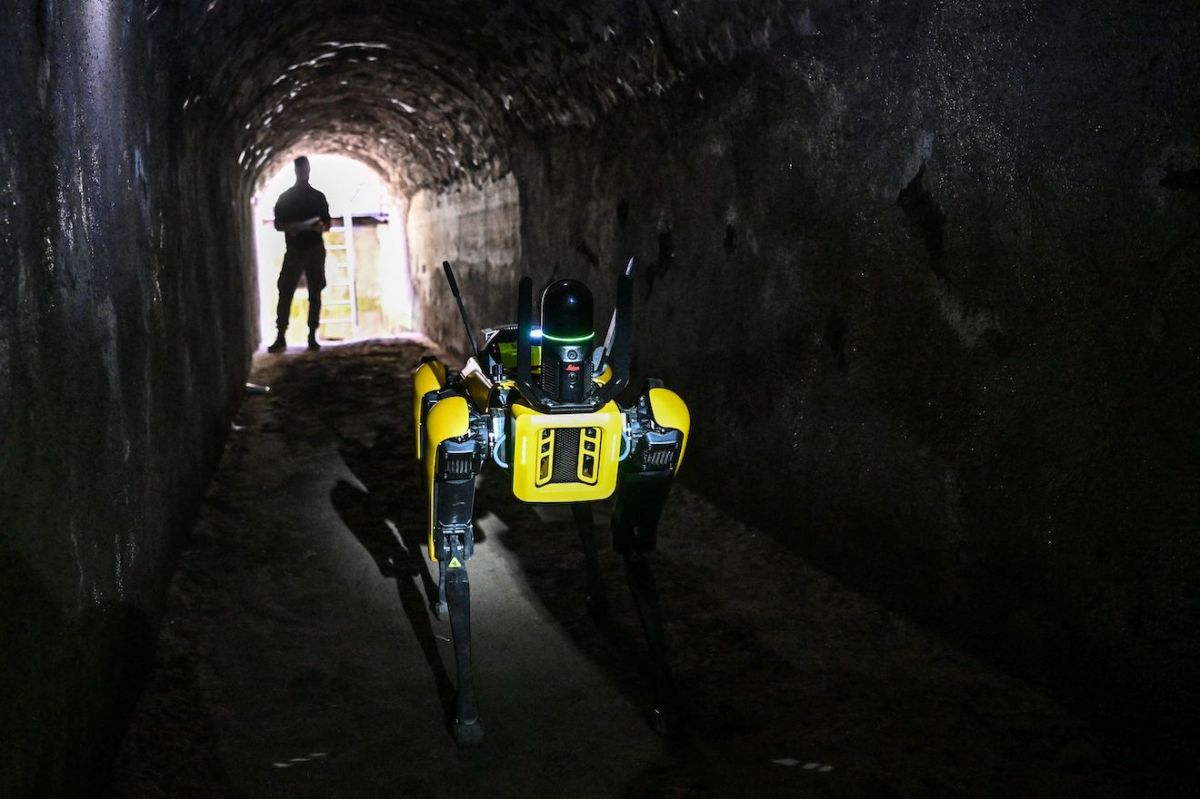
(635, 526)
(468, 730)
(597, 602)
(453, 460)
(440, 608)
(453, 539)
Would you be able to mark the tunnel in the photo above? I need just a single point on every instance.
(920, 269)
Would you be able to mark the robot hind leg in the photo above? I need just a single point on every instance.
(635, 527)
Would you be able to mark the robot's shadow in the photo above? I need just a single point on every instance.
(388, 523)
(599, 617)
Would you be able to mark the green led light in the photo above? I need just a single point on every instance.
(566, 340)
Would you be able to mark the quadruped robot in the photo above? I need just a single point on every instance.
(540, 402)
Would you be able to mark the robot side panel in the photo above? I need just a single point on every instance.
(449, 418)
(430, 376)
(670, 411)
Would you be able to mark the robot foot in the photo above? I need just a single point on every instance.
(597, 603)
(667, 722)
(468, 734)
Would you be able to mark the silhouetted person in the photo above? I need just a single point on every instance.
(302, 213)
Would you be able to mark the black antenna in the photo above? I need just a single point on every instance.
(462, 310)
(619, 342)
(612, 322)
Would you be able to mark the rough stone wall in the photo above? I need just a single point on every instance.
(925, 274)
(395, 283)
(123, 340)
(476, 229)
(384, 294)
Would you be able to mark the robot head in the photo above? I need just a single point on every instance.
(566, 344)
(567, 333)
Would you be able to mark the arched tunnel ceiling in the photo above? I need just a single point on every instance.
(428, 92)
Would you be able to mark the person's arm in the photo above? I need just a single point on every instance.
(315, 223)
(280, 225)
(326, 221)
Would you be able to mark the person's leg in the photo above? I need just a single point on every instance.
(289, 276)
(314, 275)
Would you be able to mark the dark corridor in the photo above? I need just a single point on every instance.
(924, 272)
(300, 657)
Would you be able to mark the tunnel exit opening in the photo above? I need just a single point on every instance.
(368, 291)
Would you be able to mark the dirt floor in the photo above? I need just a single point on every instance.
(299, 657)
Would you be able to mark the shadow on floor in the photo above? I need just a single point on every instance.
(793, 685)
(394, 544)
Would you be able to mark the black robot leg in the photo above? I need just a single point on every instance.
(635, 531)
(468, 730)
(597, 602)
(453, 540)
(440, 608)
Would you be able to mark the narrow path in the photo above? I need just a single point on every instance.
(300, 659)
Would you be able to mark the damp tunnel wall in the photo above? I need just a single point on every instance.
(124, 339)
(924, 273)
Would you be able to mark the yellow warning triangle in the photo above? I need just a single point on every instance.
(454, 564)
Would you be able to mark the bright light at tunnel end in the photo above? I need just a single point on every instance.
(373, 282)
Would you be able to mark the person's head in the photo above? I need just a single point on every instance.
(303, 170)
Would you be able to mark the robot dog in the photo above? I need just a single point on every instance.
(540, 402)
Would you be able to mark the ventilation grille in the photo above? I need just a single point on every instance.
(660, 458)
(568, 455)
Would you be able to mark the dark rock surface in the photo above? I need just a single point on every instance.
(431, 92)
(923, 270)
(300, 659)
(925, 276)
(123, 340)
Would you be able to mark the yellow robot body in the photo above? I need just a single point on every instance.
(541, 404)
(565, 457)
